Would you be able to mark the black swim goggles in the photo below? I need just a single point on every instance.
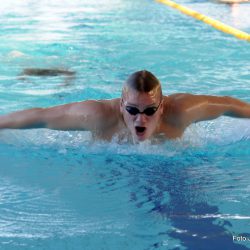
(148, 111)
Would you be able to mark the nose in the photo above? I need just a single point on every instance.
(141, 118)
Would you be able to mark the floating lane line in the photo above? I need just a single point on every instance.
(210, 21)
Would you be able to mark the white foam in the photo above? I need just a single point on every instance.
(220, 132)
(220, 216)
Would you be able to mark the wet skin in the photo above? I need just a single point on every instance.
(109, 118)
(140, 125)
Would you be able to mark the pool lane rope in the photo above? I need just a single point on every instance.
(210, 21)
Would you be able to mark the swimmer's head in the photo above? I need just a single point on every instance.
(142, 81)
(141, 104)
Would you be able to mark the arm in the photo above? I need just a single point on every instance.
(195, 108)
(86, 115)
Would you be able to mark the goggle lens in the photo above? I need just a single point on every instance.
(148, 111)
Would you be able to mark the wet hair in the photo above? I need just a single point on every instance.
(142, 81)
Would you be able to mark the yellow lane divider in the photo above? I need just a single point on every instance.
(216, 24)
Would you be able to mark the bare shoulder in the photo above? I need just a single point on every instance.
(177, 102)
(86, 115)
(103, 106)
(185, 109)
(88, 106)
(181, 101)
(177, 105)
(100, 109)
(181, 97)
(96, 107)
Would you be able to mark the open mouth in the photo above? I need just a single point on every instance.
(140, 129)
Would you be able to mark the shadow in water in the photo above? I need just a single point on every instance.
(195, 223)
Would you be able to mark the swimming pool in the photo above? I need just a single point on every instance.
(60, 190)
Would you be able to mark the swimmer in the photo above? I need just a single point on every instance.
(45, 72)
(141, 113)
(233, 1)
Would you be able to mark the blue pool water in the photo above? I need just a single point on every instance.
(61, 190)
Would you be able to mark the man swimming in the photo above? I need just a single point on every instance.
(69, 75)
(47, 72)
(141, 113)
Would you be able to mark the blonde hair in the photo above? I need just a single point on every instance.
(142, 81)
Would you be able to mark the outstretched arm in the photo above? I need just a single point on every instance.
(194, 108)
(86, 115)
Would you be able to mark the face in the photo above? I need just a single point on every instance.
(141, 125)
